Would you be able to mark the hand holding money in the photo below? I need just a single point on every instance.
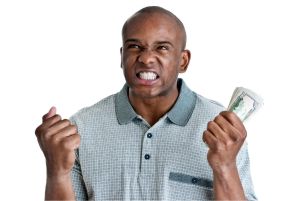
(244, 102)
(224, 136)
(226, 133)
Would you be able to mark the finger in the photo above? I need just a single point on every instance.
(232, 118)
(229, 130)
(57, 127)
(49, 114)
(71, 142)
(217, 131)
(209, 139)
(235, 121)
(222, 123)
(48, 123)
(65, 132)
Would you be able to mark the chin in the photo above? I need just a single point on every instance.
(145, 93)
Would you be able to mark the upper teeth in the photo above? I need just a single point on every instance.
(148, 75)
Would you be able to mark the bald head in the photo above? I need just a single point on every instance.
(150, 11)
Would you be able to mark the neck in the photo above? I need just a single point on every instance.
(152, 109)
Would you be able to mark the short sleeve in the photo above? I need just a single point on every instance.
(77, 181)
(77, 177)
(243, 164)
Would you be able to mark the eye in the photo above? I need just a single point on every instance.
(162, 47)
(133, 46)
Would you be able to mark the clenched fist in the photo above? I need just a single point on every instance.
(58, 139)
(224, 137)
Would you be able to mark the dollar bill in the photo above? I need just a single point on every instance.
(244, 102)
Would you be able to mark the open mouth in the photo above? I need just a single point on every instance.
(147, 75)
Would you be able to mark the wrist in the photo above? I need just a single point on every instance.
(59, 188)
(227, 184)
(58, 178)
(225, 171)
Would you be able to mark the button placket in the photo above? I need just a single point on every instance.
(147, 145)
(147, 162)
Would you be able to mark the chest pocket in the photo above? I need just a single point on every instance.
(187, 187)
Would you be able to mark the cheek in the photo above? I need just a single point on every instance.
(127, 70)
(128, 60)
(173, 66)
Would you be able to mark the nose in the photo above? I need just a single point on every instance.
(147, 56)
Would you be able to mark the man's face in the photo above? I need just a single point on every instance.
(152, 55)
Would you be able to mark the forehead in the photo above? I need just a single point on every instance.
(150, 25)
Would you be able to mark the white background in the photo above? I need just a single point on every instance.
(66, 54)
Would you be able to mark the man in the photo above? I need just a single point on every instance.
(155, 139)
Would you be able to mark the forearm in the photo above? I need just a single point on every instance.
(59, 189)
(227, 185)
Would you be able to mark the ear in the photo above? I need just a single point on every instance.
(185, 59)
(121, 57)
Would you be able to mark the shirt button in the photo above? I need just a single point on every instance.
(149, 135)
(147, 156)
(194, 180)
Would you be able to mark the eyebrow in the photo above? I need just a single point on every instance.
(156, 42)
(132, 40)
(164, 42)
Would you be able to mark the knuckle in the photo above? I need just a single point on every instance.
(66, 122)
(224, 113)
(219, 147)
(47, 133)
(210, 124)
(204, 135)
(242, 130)
(44, 116)
(65, 144)
(229, 143)
(55, 139)
(244, 135)
(239, 138)
(217, 117)
(38, 131)
(231, 115)
(55, 118)
(73, 128)
(58, 116)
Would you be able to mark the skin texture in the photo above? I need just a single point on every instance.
(58, 139)
(153, 41)
(151, 44)
(224, 136)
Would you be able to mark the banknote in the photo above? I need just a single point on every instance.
(244, 102)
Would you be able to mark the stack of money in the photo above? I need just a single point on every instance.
(244, 102)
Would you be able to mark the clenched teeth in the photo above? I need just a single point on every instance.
(147, 75)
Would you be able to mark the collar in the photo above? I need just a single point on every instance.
(179, 114)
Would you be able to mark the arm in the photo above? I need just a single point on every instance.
(59, 189)
(58, 139)
(227, 185)
(224, 136)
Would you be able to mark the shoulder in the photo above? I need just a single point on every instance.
(97, 110)
(206, 109)
(208, 103)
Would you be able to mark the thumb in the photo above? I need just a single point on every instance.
(50, 113)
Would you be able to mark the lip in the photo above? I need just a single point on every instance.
(147, 82)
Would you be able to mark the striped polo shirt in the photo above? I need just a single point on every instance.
(122, 157)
